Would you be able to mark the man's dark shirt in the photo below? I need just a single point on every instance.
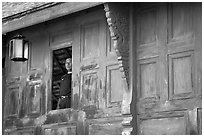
(65, 90)
(65, 85)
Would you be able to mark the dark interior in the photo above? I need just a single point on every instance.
(59, 57)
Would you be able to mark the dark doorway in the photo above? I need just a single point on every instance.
(58, 71)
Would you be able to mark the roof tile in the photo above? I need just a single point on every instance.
(12, 8)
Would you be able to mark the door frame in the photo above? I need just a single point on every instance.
(132, 71)
(51, 49)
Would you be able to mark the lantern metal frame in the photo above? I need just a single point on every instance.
(18, 48)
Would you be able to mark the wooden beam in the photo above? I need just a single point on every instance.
(45, 15)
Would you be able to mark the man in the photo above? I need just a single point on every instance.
(65, 86)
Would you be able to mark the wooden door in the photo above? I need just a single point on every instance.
(168, 70)
(100, 87)
(15, 80)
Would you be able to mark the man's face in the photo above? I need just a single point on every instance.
(68, 64)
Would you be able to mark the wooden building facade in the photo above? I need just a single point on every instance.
(136, 69)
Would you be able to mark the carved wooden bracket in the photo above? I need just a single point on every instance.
(117, 15)
(118, 21)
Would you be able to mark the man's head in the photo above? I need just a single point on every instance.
(68, 64)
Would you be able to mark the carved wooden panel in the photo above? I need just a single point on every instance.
(163, 126)
(180, 20)
(114, 84)
(13, 101)
(34, 94)
(89, 88)
(61, 36)
(147, 78)
(90, 40)
(34, 98)
(181, 74)
(147, 26)
(12, 97)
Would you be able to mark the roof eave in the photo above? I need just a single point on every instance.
(48, 13)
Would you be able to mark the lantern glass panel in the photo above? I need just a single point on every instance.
(11, 51)
(26, 50)
(18, 48)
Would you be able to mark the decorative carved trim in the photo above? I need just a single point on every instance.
(117, 15)
(127, 129)
(118, 22)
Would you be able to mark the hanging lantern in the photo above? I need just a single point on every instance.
(18, 48)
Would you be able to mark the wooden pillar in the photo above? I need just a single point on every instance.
(118, 20)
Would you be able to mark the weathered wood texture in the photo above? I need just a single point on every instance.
(163, 126)
(167, 67)
(100, 95)
(46, 14)
(161, 51)
(106, 126)
(58, 122)
(118, 20)
(96, 79)
(117, 15)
